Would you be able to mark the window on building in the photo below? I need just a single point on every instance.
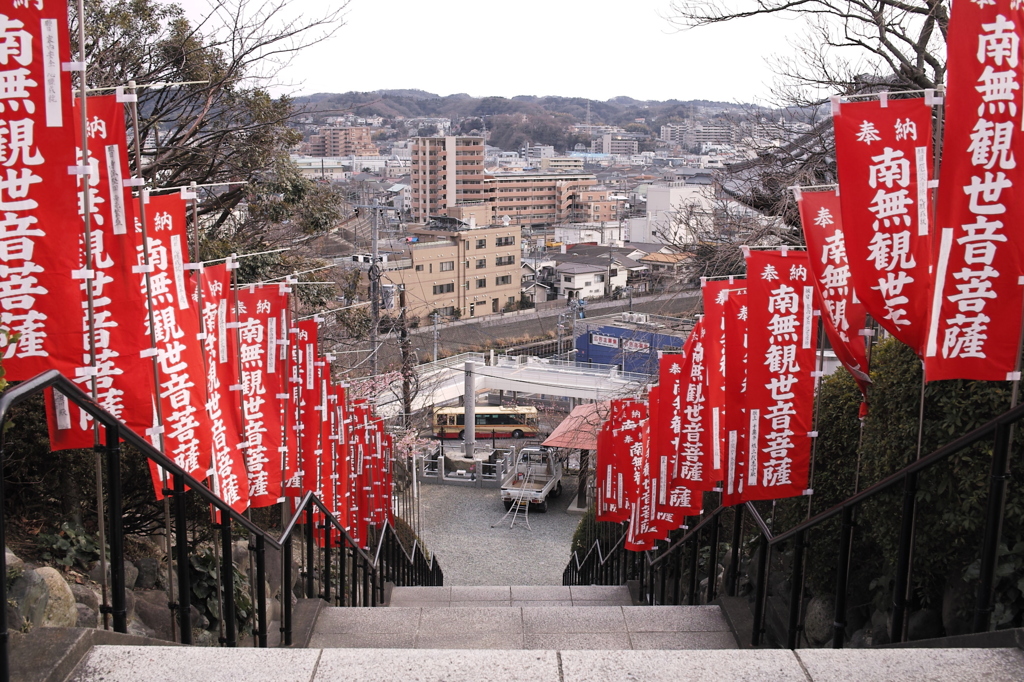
(500, 281)
(419, 268)
(505, 260)
(598, 278)
(481, 243)
(505, 241)
(444, 288)
(447, 266)
(613, 273)
(511, 300)
(481, 283)
(567, 279)
(481, 263)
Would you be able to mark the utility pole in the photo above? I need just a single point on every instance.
(374, 273)
(435, 316)
(406, 346)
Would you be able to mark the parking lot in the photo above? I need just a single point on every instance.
(456, 526)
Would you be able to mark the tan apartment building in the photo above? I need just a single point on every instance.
(349, 141)
(458, 266)
(594, 206)
(530, 199)
(446, 171)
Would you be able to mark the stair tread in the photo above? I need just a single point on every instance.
(515, 595)
(130, 663)
(525, 627)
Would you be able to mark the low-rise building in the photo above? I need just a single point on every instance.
(460, 269)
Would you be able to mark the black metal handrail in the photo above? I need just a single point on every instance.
(365, 575)
(661, 569)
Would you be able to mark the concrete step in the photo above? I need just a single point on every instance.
(172, 664)
(517, 595)
(524, 627)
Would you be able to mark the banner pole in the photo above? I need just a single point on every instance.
(89, 274)
(157, 435)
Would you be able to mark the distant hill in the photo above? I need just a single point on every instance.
(416, 103)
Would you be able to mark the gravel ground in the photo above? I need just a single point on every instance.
(456, 526)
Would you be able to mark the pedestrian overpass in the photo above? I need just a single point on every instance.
(445, 380)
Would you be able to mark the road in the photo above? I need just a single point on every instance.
(462, 336)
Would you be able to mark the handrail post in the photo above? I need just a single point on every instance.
(228, 579)
(712, 557)
(118, 608)
(261, 590)
(326, 596)
(842, 578)
(762, 590)
(309, 552)
(903, 566)
(796, 580)
(181, 539)
(993, 527)
(737, 540)
(286, 592)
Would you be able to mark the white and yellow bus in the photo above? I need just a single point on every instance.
(503, 422)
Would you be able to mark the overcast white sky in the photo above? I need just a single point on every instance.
(582, 48)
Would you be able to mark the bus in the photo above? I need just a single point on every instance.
(503, 422)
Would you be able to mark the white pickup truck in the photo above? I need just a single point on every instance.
(536, 475)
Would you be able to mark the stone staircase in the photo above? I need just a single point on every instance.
(541, 634)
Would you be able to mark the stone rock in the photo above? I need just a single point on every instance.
(272, 569)
(205, 638)
(152, 612)
(60, 609)
(14, 619)
(86, 596)
(819, 618)
(13, 562)
(129, 604)
(87, 618)
(131, 574)
(924, 624)
(957, 605)
(856, 618)
(28, 595)
(240, 555)
(136, 628)
(197, 619)
(879, 628)
(149, 573)
(859, 639)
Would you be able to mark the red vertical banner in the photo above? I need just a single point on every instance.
(182, 392)
(736, 421)
(608, 477)
(844, 315)
(124, 379)
(263, 388)
(714, 294)
(884, 158)
(975, 326)
(40, 292)
(308, 423)
(639, 495)
(781, 337)
(388, 454)
(230, 480)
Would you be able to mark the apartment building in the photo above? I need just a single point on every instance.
(540, 198)
(622, 144)
(561, 163)
(446, 171)
(460, 266)
(342, 141)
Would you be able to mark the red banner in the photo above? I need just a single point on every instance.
(884, 158)
(715, 294)
(309, 421)
(781, 338)
(124, 379)
(979, 260)
(609, 477)
(263, 388)
(845, 317)
(230, 481)
(40, 292)
(736, 422)
(182, 392)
